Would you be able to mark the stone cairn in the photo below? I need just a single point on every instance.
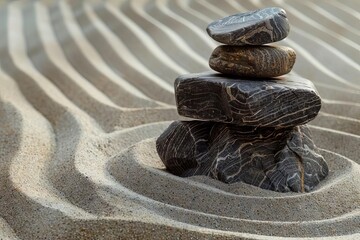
(251, 122)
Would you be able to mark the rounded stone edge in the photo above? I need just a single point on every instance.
(241, 68)
(228, 41)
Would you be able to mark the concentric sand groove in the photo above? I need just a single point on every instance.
(86, 88)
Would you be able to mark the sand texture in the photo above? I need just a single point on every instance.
(87, 87)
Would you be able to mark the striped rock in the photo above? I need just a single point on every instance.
(251, 28)
(253, 61)
(282, 102)
(276, 159)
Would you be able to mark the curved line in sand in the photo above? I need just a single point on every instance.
(138, 7)
(201, 214)
(146, 39)
(93, 57)
(122, 51)
(163, 6)
(332, 17)
(315, 24)
(345, 8)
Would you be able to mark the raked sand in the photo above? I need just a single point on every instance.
(85, 89)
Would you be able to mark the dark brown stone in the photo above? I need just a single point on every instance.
(282, 102)
(251, 28)
(253, 61)
(276, 159)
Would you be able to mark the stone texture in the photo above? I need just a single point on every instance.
(276, 159)
(251, 28)
(282, 102)
(253, 61)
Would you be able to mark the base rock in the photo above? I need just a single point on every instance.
(275, 159)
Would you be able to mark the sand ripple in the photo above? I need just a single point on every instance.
(86, 87)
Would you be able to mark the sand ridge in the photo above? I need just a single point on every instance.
(87, 86)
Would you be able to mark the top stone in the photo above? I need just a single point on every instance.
(258, 27)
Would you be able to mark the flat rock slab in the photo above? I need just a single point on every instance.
(253, 61)
(258, 27)
(281, 102)
(275, 159)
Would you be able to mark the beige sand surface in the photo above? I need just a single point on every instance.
(86, 87)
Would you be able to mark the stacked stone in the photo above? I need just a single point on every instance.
(251, 123)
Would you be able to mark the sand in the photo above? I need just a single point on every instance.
(86, 88)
